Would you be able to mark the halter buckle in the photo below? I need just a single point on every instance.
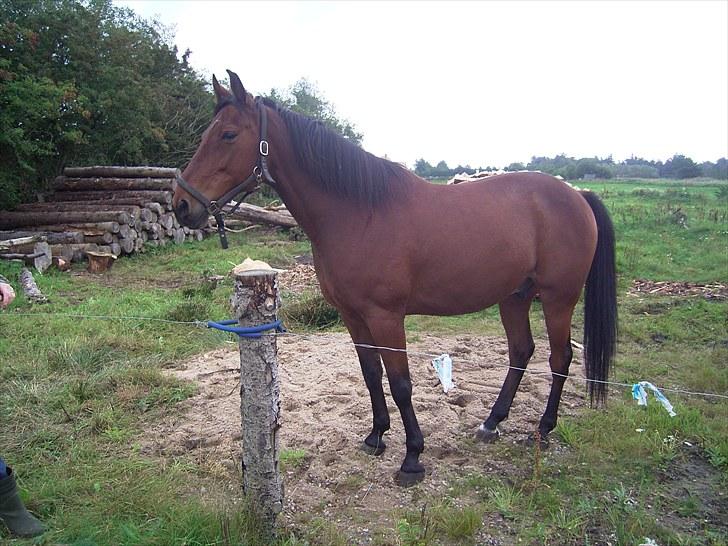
(263, 148)
(258, 172)
(214, 209)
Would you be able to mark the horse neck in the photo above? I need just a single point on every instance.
(311, 206)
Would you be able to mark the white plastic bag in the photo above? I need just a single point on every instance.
(639, 393)
(443, 367)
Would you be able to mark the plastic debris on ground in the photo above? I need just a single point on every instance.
(639, 393)
(443, 367)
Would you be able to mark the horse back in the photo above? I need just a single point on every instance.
(479, 242)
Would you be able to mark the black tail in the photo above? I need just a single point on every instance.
(600, 304)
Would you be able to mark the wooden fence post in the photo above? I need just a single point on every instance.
(255, 302)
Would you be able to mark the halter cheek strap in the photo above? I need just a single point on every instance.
(259, 175)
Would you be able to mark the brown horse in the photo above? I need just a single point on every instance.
(387, 243)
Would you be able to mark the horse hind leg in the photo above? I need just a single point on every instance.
(371, 367)
(558, 314)
(514, 315)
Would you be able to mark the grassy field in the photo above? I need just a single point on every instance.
(76, 394)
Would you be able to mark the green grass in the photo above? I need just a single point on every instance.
(292, 459)
(460, 524)
(76, 394)
(504, 499)
(310, 311)
(668, 230)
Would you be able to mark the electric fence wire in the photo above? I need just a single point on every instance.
(204, 324)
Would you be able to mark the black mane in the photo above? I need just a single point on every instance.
(337, 165)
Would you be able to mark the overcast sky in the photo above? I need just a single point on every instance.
(483, 83)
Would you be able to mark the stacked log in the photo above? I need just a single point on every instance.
(32, 250)
(255, 214)
(117, 210)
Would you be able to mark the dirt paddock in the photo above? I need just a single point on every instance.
(326, 412)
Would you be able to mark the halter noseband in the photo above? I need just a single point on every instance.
(259, 175)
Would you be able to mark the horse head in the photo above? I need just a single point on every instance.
(230, 159)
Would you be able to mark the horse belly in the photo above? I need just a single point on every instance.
(456, 304)
(456, 285)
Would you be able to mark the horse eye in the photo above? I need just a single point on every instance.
(229, 135)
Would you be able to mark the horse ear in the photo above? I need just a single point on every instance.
(238, 90)
(220, 92)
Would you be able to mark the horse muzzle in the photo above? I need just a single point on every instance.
(193, 216)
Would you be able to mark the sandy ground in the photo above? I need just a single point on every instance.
(326, 412)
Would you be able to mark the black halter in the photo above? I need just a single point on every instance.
(259, 175)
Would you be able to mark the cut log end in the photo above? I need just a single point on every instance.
(99, 262)
(61, 264)
(39, 256)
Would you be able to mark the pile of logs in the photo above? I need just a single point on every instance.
(112, 210)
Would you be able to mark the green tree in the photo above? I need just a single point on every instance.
(305, 98)
(588, 166)
(423, 168)
(718, 170)
(680, 166)
(461, 169)
(88, 82)
(441, 170)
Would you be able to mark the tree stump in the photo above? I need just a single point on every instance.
(255, 302)
(98, 262)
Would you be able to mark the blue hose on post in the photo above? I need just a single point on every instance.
(247, 331)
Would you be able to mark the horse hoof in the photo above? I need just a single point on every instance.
(408, 479)
(530, 441)
(373, 450)
(486, 435)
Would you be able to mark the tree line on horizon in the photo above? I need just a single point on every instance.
(570, 168)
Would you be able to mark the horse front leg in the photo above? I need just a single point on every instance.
(388, 331)
(371, 368)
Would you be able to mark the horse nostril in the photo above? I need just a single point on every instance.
(182, 208)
